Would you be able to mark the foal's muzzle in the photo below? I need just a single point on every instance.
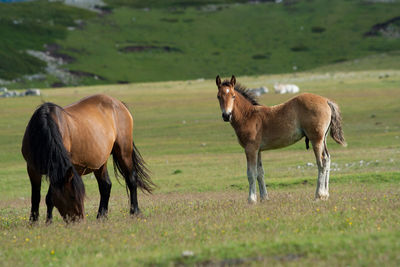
(227, 116)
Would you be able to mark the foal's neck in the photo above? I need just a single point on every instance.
(243, 108)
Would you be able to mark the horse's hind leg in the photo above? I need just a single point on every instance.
(260, 179)
(323, 163)
(251, 156)
(125, 165)
(103, 179)
(36, 181)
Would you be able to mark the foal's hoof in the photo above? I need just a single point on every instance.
(48, 222)
(321, 197)
(252, 201)
(263, 199)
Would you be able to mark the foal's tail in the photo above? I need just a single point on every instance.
(47, 152)
(336, 124)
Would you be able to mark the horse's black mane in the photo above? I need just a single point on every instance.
(244, 92)
(48, 153)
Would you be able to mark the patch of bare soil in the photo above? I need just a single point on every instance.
(53, 51)
(145, 48)
(80, 73)
(389, 29)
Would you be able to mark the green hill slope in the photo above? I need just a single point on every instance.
(174, 42)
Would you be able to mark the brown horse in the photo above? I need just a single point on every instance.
(260, 128)
(65, 143)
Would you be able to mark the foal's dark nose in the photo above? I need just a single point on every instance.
(226, 116)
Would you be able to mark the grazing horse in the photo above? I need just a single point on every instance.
(260, 128)
(65, 143)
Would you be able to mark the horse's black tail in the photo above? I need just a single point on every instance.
(336, 124)
(140, 172)
(47, 152)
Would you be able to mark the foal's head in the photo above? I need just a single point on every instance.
(226, 96)
(69, 199)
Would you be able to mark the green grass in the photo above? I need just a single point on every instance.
(191, 40)
(200, 203)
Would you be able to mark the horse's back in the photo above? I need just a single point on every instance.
(94, 124)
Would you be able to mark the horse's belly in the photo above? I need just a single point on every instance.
(89, 157)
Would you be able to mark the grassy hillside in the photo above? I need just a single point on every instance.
(200, 204)
(29, 26)
(178, 40)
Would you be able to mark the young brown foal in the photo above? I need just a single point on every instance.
(260, 128)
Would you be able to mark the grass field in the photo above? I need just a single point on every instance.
(142, 41)
(200, 204)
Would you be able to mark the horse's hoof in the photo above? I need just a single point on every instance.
(102, 216)
(48, 222)
(135, 213)
(33, 222)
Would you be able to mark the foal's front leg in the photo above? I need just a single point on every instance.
(260, 179)
(251, 155)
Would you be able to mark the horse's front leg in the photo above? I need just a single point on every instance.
(104, 182)
(36, 181)
(50, 206)
(260, 179)
(251, 156)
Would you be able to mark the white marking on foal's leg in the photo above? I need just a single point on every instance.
(327, 171)
(323, 180)
(260, 179)
(251, 176)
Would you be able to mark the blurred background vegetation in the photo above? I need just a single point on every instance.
(139, 41)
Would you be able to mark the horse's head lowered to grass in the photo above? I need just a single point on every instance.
(69, 197)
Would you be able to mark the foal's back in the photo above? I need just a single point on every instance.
(303, 115)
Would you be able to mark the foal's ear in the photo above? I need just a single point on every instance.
(218, 81)
(233, 80)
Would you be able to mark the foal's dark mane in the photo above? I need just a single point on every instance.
(245, 92)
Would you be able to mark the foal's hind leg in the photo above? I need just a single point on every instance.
(327, 166)
(260, 179)
(36, 181)
(103, 179)
(323, 163)
(251, 156)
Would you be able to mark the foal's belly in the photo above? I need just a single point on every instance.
(281, 140)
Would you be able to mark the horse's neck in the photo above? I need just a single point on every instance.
(242, 110)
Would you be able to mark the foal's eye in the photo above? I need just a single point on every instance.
(218, 97)
(233, 97)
